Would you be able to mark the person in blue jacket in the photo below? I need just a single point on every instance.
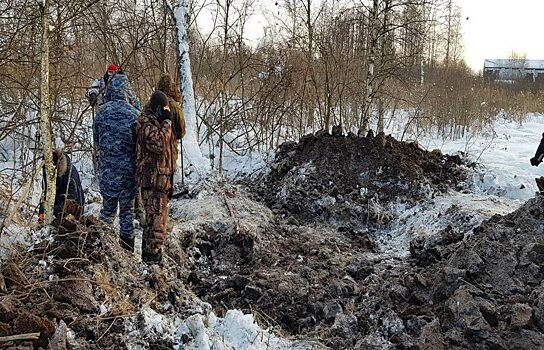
(69, 196)
(114, 134)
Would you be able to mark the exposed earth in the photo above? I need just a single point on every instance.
(301, 249)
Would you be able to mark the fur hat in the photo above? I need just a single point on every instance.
(169, 87)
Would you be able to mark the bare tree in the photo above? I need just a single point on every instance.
(45, 111)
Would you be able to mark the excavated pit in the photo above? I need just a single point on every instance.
(303, 266)
(307, 269)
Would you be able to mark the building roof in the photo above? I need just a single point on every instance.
(514, 63)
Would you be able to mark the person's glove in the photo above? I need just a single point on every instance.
(535, 162)
(93, 98)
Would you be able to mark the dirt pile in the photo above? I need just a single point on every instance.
(479, 291)
(350, 181)
(82, 285)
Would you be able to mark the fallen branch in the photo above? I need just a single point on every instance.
(27, 336)
(232, 214)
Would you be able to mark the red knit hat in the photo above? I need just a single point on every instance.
(112, 68)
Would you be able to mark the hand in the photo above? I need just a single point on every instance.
(535, 162)
(93, 99)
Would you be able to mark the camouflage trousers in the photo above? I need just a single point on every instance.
(125, 201)
(156, 214)
(139, 210)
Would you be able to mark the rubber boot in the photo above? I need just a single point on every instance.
(127, 243)
(540, 184)
(152, 257)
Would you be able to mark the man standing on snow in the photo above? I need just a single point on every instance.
(96, 92)
(155, 166)
(536, 160)
(114, 132)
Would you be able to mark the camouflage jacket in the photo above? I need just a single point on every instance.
(155, 149)
(178, 120)
(114, 132)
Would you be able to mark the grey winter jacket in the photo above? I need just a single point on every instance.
(114, 133)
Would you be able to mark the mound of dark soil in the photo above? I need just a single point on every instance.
(83, 279)
(351, 180)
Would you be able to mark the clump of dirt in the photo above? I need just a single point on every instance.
(484, 291)
(350, 180)
(82, 278)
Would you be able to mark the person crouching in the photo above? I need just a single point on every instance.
(155, 166)
(69, 197)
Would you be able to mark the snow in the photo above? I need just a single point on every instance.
(460, 210)
(191, 148)
(235, 330)
(502, 182)
(504, 153)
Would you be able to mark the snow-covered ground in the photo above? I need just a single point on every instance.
(502, 181)
(206, 331)
(503, 149)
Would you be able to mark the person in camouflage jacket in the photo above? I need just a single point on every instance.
(114, 132)
(155, 166)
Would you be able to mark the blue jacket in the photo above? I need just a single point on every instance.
(114, 133)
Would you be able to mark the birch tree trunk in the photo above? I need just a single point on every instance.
(371, 60)
(191, 148)
(45, 111)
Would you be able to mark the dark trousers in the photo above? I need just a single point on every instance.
(125, 202)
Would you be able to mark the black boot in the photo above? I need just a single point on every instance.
(540, 184)
(152, 257)
(127, 243)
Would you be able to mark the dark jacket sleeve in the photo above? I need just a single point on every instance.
(539, 155)
(76, 190)
(60, 194)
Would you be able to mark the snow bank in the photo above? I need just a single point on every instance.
(235, 330)
(504, 150)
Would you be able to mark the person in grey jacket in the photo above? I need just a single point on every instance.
(114, 133)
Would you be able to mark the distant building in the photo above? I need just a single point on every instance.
(531, 71)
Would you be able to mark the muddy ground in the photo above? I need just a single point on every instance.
(309, 268)
(297, 248)
(350, 182)
(79, 279)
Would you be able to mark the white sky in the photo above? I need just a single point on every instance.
(496, 27)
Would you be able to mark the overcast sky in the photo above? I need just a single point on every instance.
(496, 27)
